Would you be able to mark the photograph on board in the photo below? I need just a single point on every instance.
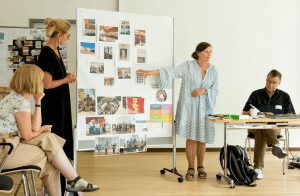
(96, 67)
(87, 47)
(108, 105)
(97, 126)
(161, 95)
(108, 52)
(135, 143)
(124, 52)
(86, 102)
(124, 73)
(135, 105)
(141, 55)
(109, 81)
(125, 27)
(105, 146)
(123, 124)
(140, 37)
(89, 27)
(108, 33)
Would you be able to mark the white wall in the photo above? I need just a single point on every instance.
(249, 38)
(17, 13)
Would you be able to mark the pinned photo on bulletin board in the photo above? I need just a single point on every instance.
(105, 146)
(108, 33)
(89, 27)
(125, 27)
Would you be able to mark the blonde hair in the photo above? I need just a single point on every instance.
(55, 26)
(28, 78)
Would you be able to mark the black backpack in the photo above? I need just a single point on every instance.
(238, 167)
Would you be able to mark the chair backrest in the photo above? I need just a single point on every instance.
(6, 154)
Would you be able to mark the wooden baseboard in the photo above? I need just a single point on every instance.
(207, 149)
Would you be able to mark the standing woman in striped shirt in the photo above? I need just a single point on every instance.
(197, 98)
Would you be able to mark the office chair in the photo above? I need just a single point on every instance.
(25, 172)
(285, 141)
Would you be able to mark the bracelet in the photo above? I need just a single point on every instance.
(38, 105)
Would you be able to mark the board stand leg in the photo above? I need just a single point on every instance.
(173, 170)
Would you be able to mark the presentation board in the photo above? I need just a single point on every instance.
(26, 51)
(113, 100)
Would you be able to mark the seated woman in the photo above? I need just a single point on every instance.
(35, 144)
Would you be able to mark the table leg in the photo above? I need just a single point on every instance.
(224, 174)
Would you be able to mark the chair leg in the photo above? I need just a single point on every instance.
(18, 188)
(248, 149)
(24, 180)
(33, 183)
(283, 160)
(287, 144)
(28, 183)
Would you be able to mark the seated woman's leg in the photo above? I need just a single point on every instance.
(52, 146)
(26, 154)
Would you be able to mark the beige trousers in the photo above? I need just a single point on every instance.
(39, 151)
(263, 139)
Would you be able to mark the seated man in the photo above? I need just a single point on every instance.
(268, 100)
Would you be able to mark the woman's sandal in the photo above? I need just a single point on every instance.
(190, 174)
(71, 186)
(201, 172)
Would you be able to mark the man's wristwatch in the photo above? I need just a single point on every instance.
(205, 93)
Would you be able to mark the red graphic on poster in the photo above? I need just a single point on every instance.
(135, 105)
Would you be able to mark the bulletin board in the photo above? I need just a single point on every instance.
(28, 51)
(111, 47)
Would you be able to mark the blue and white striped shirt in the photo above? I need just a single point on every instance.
(192, 112)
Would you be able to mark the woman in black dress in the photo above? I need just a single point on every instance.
(56, 106)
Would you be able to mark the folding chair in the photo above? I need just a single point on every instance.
(25, 171)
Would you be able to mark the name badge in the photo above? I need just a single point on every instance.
(278, 107)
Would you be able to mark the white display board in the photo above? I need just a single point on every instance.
(7, 35)
(111, 46)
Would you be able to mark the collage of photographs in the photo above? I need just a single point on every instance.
(23, 51)
(111, 119)
(107, 46)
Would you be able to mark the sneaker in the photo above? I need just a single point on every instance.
(259, 174)
(278, 151)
